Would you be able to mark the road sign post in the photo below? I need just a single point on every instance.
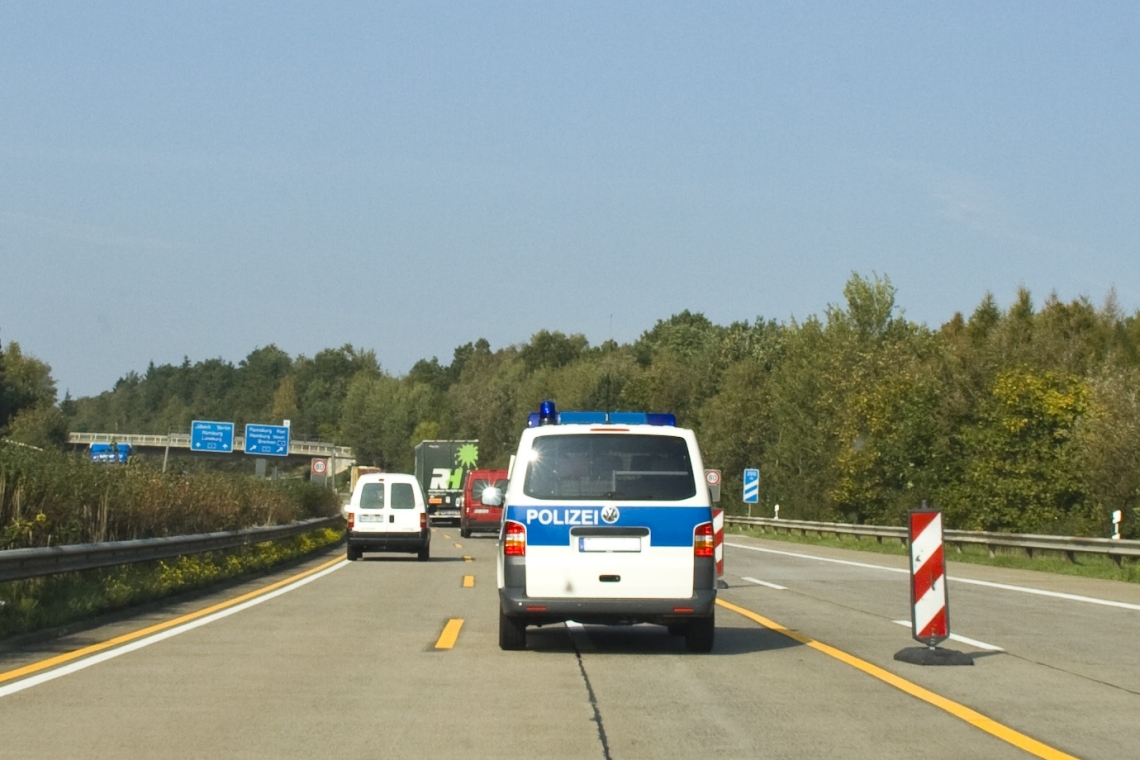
(267, 440)
(217, 437)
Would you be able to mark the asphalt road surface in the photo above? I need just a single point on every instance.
(393, 658)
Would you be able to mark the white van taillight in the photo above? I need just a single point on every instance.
(423, 520)
(351, 520)
(703, 543)
(514, 539)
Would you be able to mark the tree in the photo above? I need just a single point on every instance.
(28, 412)
(1020, 472)
(552, 349)
(1108, 440)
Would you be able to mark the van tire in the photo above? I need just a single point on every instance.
(465, 532)
(512, 632)
(423, 554)
(700, 633)
(352, 554)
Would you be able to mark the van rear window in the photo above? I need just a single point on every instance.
(403, 497)
(611, 467)
(372, 496)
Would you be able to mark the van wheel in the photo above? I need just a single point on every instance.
(677, 629)
(423, 554)
(700, 633)
(512, 632)
(465, 532)
(352, 554)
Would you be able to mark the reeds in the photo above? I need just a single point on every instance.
(50, 498)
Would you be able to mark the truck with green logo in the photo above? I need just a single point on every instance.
(441, 469)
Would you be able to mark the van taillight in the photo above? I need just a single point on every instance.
(514, 539)
(351, 520)
(423, 520)
(703, 543)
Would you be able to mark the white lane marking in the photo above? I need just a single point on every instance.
(954, 579)
(580, 637)
(763, 583)
(75, 667)
(820, 559)
(963, 639)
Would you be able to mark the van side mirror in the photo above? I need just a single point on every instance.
(492, 496)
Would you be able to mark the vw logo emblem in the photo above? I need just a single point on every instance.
(610, 515)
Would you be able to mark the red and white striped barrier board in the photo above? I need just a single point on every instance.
(718, 538)
(929, 601)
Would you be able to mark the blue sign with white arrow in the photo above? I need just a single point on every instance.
(267, 440)
(212, 436)
(751, 485)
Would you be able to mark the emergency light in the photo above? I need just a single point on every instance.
(549, 415)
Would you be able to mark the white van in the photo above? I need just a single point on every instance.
(387, 513)
(607, 519)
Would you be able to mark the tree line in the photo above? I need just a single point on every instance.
(1022, 419)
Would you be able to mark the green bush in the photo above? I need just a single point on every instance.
(56, 600)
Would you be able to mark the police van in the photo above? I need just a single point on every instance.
(607, 519)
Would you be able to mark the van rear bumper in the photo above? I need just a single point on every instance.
(389, 542)
(483, 525)
(515, 603)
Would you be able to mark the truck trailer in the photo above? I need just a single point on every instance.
(441, 468)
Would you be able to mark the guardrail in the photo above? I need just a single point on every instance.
(1070, 546)
(17, 564)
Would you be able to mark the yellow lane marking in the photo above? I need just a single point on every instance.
(459, 546)
(469, 581)
(51, 662)
(468, 558)
(450, 634)
(974, 718)
(447, 536)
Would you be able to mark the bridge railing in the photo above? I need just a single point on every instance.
(1070, 546)
(17, 564)
(182, 441)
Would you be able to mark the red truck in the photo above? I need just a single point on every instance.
(476, 515)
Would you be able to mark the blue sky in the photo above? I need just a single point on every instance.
(203, 179)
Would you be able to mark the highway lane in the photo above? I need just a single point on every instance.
(1069, 672)
(348, 664)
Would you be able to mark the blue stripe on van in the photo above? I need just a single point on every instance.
(549, 525)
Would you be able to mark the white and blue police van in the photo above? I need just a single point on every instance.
(607, 519)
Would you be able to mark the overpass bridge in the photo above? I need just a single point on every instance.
(340, 457)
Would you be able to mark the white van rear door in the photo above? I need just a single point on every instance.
(403, 512)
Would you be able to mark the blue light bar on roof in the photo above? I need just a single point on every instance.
(602, 418)
(582, 418)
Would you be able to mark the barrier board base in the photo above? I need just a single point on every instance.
(933, 656)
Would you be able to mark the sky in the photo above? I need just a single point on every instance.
(202, 179)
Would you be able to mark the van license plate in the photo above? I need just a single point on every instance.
(609, 543)
(372, 518)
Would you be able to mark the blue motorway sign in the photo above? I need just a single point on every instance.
(751, 485)
(211, 436)
(268, 440)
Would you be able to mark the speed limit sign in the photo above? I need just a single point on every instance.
(319, 466)
(712, 478)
